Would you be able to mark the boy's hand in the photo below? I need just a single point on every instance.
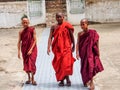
(19, 56)
(73, 48)
(48, 51)
(29, 52)
(77, 56)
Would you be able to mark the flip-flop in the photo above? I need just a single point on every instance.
(68, 83)
(61, 84)
(34, 83)
(27, 82)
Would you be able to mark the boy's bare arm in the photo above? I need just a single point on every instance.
(19, 44)
(50, 40)
(72, 39)
(77, 47)
(98, 48)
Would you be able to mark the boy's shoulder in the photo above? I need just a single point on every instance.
(54, 26)
(80, 33)
(67, 23)
(92, 30)
(31, 27)
(21, 31)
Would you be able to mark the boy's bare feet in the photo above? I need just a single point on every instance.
(87, 84)
(92, 86)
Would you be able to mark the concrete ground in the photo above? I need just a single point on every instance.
(45, 75)
(12, 76)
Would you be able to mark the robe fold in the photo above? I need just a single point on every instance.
(61, 47)
(89, 54)
(27, 42)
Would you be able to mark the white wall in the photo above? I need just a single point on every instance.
(73, 18)
(10, 13)
(100, 11)
(9, 20)
(104, 11)
(38, 19)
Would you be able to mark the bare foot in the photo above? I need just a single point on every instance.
(87, 84)
(92, 86)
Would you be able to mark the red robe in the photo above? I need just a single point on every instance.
(88, 51)
(61, 47)
(27, 41)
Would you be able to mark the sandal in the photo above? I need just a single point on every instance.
(68, 83)
(61, 84)
(28, 82)
(34, 83)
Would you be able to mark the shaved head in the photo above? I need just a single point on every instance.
(60, 14)
(84, 24)
(59, 17)
(84, 21)
(25, 19)
(25, 22)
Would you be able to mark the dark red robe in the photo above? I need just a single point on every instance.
(88, 51)
(61, 47)
(27, 41)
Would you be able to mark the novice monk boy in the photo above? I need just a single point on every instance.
(62, 41)
(28, 48)
(87, 49)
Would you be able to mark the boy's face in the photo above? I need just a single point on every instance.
(84, 25)
(59, 18)
(25, 22)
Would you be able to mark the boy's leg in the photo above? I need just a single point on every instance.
(29, 79)
(61, 83)
(68, 81)
(92, 87)
(33, 81)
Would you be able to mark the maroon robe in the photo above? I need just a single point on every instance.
(61, 47)
(88, 51)
(27, 42)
